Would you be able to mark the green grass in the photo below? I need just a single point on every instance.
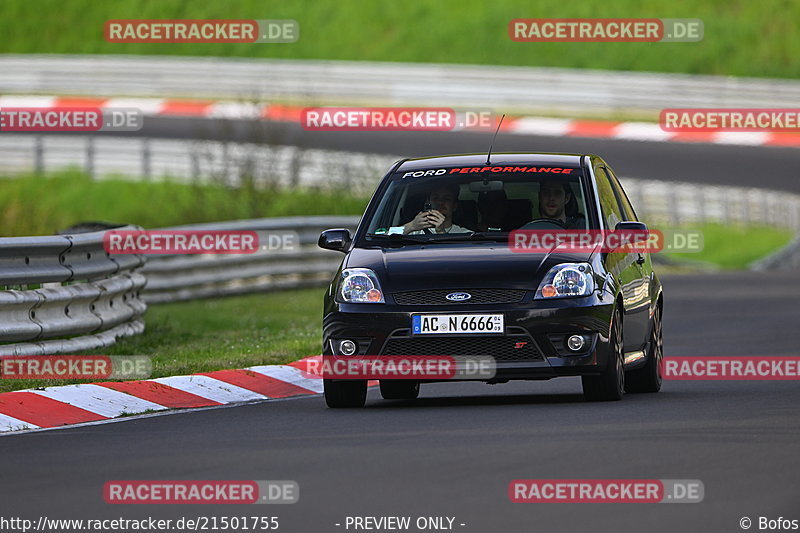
(35, 205)
(236, 332)
(734, 247)
(742, 37)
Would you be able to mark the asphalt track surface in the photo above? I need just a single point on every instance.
(716, 164)
(454, 451)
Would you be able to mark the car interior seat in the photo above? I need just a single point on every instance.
(466, 215)
(519, 213)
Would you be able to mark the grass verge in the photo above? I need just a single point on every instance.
(35, 205)
(741, 37)
(733, 247)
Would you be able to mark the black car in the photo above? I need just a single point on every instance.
(434, 242)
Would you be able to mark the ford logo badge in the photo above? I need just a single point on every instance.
(458, 296)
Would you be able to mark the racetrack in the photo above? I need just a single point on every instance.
(454, 451)
(766, 167)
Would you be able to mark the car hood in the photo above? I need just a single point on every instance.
(457, 266)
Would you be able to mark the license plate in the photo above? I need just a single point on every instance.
(432, 324)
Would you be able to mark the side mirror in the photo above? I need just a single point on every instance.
(335, 239)
(640, 229)
(630, 225)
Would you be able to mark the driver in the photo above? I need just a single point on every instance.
(444, 202)
(554, 198)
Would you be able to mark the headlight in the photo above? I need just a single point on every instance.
(360, 285)
(566, 280)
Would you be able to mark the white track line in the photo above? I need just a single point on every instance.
(101, 400)
(148, 106)
(289, 374)
(754, 138)
(541, 126)
(27, 101)
(210, 388)
(9, 423)
(641, 131)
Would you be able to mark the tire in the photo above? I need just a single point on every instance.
(399, 389)
(648, 378)
(340, 394)
(610, 385)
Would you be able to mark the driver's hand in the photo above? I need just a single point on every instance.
(436, 218)
(421, 221)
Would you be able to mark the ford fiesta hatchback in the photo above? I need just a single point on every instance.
(432, 271)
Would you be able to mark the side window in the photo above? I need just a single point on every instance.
(612, 214)
(627, 208)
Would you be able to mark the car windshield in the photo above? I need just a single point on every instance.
(483, 203)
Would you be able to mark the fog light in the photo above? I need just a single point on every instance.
(347, 347)
(575, 343)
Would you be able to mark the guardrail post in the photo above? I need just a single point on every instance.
(745, 207)
(674, 216)
(90, 152)
(194, 165)
(701, 204)
(38, 155)
(795, 217)
(146, 159)
(638, 195)
(726, 206)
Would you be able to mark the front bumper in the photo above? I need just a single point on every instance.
(531, 346)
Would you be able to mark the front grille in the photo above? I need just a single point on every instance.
(505, 348)
(479, 296)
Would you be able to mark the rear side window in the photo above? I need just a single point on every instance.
(622, 198)
(609, 205)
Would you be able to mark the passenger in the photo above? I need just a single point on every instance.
(557, 202)
(444, 202)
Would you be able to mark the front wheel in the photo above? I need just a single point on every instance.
(345, 393)
(399, 389)
(648, 378)
(610, 385)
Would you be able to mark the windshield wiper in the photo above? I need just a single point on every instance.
(399, 237)
(474, 236)
(498, 236)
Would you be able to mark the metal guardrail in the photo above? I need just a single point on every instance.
(188, 277)
(529, 89)
(193, 161)
(83, 298)
(785, 259)
(675, 202)
(64, 293)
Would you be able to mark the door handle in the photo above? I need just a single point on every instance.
(640, 260)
